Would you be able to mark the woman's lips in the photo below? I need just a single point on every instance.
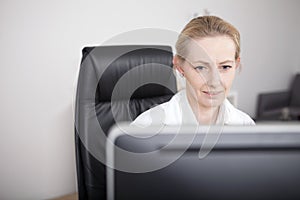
(212, 93)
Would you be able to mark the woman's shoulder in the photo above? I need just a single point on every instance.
(159, 114)
(235, 116)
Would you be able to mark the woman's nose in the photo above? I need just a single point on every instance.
(213, 78)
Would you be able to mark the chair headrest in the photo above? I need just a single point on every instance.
(142, 71)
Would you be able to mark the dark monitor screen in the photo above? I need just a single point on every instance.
(257, 162)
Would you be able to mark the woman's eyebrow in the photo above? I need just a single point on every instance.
(226, 61)
(203, 62)
(208, 63)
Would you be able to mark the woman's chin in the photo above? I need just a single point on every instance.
(211, 102)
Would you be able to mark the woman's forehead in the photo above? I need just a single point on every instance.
(211, 49)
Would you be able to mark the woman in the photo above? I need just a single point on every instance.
(207, 56)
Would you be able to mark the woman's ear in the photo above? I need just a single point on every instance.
(238, 63)
(177, 62)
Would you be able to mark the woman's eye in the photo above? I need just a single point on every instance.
(226, 67)
(200, 68)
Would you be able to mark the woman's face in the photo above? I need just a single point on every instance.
(209, 68)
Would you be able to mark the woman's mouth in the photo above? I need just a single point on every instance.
(212, 93)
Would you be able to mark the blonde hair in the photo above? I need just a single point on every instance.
(207, 26)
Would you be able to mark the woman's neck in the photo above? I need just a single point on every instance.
(204, 115)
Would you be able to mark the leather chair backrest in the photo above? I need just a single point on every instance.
(115, 83)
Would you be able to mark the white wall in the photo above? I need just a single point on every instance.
(41, 42)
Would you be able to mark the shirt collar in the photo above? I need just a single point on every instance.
(187, 114)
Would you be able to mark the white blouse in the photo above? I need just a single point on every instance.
(177, 111)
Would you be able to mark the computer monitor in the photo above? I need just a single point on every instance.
(247, 162)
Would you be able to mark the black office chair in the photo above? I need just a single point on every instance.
(280, 105)
(115, 84)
